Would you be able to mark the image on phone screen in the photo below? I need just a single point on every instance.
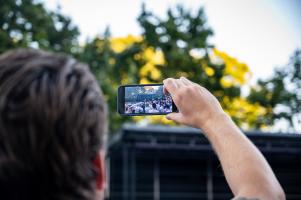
(147, 99)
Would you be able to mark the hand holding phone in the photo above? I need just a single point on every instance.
(146, 99)
(197, 106)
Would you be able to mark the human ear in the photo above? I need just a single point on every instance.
(99, 164)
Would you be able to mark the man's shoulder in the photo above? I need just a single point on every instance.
(244, 198)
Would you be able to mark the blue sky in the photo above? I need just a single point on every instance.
(261, 33)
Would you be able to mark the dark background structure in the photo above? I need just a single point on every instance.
(164, 163)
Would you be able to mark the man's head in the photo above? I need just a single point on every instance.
(52, 125)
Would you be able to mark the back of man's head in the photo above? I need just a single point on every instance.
(52, 123)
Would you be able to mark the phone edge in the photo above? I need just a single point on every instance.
(118, 95)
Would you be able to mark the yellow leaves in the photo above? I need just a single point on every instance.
(238, 71)
(154, 119)
(151, 56)
(125, 80)
(146, 69)
(245, 112)
(145, 81)
(149, 68)
(209, 71)
(159, 119)
(147, 64)
(242, 107)
(154, 56)
(155, 74)
(226, 81)
(119, 44)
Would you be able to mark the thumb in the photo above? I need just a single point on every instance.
(176, 117)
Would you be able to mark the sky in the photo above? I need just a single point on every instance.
(260, 33)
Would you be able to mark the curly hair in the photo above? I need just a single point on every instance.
(52, 125)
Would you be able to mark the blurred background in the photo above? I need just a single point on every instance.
(247, 53)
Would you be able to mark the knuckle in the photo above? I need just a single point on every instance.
(178, 97)
(188, 90)
(191, 88)
(196, 87)
(168, 80)
(182, 92)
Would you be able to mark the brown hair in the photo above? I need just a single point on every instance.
(52, 123)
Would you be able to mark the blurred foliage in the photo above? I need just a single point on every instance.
(280, 94)
(172, 47)
(26, 23)
(175, 46)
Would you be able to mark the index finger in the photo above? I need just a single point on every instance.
(170, 85)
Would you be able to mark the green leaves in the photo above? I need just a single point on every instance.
(174, 46)
(27, 23)
(281, 93)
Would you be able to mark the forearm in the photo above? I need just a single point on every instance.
(247, 172)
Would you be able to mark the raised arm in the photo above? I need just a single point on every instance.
(247, 172)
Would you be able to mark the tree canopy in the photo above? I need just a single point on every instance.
(26, 23)
(174, 46)
(280, 94)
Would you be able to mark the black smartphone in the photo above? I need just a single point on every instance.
(146, 99)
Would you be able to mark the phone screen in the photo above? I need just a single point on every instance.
(147, 100)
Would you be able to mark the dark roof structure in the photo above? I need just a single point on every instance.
(178, 163)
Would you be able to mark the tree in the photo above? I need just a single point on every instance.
(173, 47)
(112, 60)
(280, 94)
(26, 23)
(183, 40)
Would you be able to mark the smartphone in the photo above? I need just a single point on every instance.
(146, 99)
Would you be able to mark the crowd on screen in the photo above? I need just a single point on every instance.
(149, 106)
